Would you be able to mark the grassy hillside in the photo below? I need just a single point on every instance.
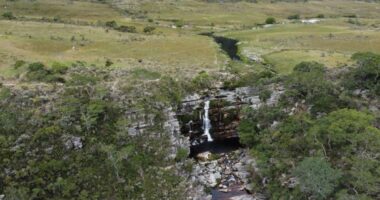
(177, 24)
(64, 10)
(288, 44)
(242, 13)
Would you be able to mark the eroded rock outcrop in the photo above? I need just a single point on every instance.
(224, 111)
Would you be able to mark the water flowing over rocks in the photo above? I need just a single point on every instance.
(222, 166)
(224, 111)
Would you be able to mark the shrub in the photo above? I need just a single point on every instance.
(37, 66)
(179, 23)
(202, 81)
(8, 15)
(111, 24)
(129, 29)
(38, 72)
(59, 68)
(109, 62)
(149, 29)
(351, 16)
(181, 155)
(19, 63)
(265, 95)
(295, 16)
(270, 20)
(320, 16)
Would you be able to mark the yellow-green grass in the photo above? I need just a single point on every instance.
(284, 61)
(49, 42)
(242, 13)
(302, 42)
(72, 12)
(62, 9)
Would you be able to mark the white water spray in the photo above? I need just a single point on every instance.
(206, 122)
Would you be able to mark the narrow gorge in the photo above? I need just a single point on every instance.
(222, 165)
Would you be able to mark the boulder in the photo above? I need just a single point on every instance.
(217, 175)
(73, 142)
(205, 156)
(211, 181)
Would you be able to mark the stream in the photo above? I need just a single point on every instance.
(223, 166)
(211, 123)
(228, 45)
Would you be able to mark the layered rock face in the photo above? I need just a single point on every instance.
(221, 165)
(223, 116)
(224, 112)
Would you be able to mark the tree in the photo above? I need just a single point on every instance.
(347, 131)
(349, 138)
(270, 20)
(308, 82)
(247, 133)
(316, 177)
(367, 74)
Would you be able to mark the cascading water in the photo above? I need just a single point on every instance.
(206, 122)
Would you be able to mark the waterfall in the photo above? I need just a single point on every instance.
(206, 122)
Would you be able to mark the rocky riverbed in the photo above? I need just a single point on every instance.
(223, 167)
(226, 174)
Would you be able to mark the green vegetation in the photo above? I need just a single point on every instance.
(202, 80)
(85, 87)
(149, 29)
(270, 20)
(38, 72)
(285, 45)
(317, 177)
(366, 75)
(8, 15)
(326, 143)
(82, 147)
(296, 16)
(94, 45)
(241, 13)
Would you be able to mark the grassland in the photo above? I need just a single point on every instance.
(331, 42)
(47, 42)
(78, 34)
(64, 10)
(288, 44)
(237, 15)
